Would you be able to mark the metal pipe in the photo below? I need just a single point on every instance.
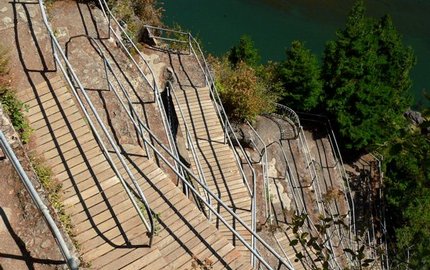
(191, 143)
(7, 149)
(154, 86)
(71, 72)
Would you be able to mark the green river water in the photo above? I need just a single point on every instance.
(273, 24)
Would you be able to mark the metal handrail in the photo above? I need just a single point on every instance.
(141, 126)
(210, 82)
(335, 148)
(7, 149)
(70, 75)
(208, 191)
(293, 183)
(379, 158)
(264, 161)
(292, 115)
(222, 116)
(340, 165)
(311, 226)
(154, 86)
(190, 143)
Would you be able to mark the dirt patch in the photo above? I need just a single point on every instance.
(27, 242)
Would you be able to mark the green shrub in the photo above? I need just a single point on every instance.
(243, 93)
(53, 188)
(136, 14)
(11, 105)
(15, 110)
(366, 76)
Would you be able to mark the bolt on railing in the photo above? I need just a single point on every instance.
(8, 151)
(72, 78)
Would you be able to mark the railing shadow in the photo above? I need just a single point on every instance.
(25, 256)
(177, 212)
(51, 130)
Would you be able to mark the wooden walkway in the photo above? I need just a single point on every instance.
(107, 227)
(217, 159)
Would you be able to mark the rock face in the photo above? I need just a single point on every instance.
(414, 117)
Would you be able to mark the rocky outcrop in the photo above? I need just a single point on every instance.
(414, 117)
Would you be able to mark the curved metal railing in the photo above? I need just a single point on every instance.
(264, 162)
(8, 151)
(290, 114)
(74, 83)
(298, 199)
(339, 164)
(210, 82)
(154, 85)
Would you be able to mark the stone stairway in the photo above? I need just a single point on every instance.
(217, 159)
(107, 227)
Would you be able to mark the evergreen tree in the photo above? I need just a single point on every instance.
(300, 75)
(366, 73)
(245, 51)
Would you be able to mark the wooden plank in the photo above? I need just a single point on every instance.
(42, 88)
(59, 131)
(92, 191)
(50, 107)
(63, 162)
(83, 146)
(43, 100)
(109, 212)
(105, 226)
(66, 135)
(132, 226)
(42, 121)
(149, 261)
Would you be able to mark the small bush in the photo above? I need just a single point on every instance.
(243, 93)
(136, 14)
(15, 110)
(53, 188)
(11, 105)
